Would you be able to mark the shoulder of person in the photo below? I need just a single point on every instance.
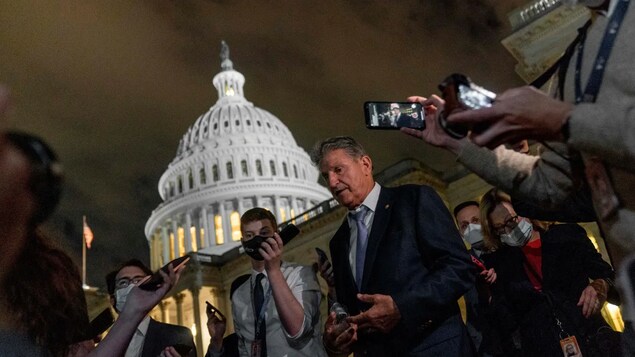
(566, 231)
(172, 328)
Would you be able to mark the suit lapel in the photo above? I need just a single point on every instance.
(380, 223)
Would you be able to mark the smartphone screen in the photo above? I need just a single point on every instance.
(394, 115)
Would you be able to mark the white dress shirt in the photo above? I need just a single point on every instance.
(136, 343)
(306, 289)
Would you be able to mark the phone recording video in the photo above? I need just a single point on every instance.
(394, 115)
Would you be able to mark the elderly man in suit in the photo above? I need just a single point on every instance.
(399, 263)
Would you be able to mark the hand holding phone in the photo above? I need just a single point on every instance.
(213, 311)
(156, 279)
(394, 115)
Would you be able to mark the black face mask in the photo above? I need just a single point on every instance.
(251, 247)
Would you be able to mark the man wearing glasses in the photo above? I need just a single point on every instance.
(152, 338)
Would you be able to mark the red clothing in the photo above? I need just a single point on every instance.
(533, 263)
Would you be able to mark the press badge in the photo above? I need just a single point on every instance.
(570, 347)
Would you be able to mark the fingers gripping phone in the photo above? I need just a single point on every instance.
(157, 279)
(394, 115)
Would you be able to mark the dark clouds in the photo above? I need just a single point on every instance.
(114, 85)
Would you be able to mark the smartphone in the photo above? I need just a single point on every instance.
(212, 310)
(323, 258)
(460, 93)
(156, 279)
(182, 349)
(394, 115)
(288, 233)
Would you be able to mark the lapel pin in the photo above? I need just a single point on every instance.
(387, 206)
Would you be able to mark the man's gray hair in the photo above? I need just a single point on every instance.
(346, 143)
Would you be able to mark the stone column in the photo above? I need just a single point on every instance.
(294, 205)
(175, 232)
(276, 206)
(178, 298)
(224, 221)
(205, 242)
(188, 232)
(197, 318)
(166, 244)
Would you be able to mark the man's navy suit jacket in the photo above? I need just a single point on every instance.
(161, 335)
(416, 256)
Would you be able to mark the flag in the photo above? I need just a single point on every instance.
(88, 234)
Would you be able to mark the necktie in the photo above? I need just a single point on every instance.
(362, 243)
(259, 299)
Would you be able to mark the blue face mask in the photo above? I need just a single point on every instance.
(519, 236)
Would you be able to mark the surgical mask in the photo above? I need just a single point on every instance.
(120, 297)
(251, 247)
(519, 236)
(472, 234)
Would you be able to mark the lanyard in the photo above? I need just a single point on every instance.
(260, 314)
(597, 73)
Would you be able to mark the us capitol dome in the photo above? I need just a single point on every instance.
(234, 157)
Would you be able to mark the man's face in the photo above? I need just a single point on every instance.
(262, 228)
(395, 111)
(128, 275)
(467, 215)
(349, 179)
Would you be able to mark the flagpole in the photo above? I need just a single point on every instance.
(84, 254)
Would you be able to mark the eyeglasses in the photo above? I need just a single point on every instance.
(125, 282)
(508, 226)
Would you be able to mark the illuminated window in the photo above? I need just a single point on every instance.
(181, 236)
(218, 223)
(243, 167)
(284, 169)
(194, 240)
(283, 215)
(234, 219)
(215, 173)
(202, 238)
(272, 166)
(172, 255)
(202, 176)
(259, 167)
(230, 170)
(229, 90)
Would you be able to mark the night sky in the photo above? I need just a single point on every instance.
(113, 85)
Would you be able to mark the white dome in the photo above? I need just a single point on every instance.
(235, 157)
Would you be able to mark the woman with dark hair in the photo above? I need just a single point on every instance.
(543, 288)
(42, 305)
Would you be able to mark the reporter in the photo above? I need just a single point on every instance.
(543, 280)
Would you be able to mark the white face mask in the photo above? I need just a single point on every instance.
(519, 236)
(472, 234)
(120, 297)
